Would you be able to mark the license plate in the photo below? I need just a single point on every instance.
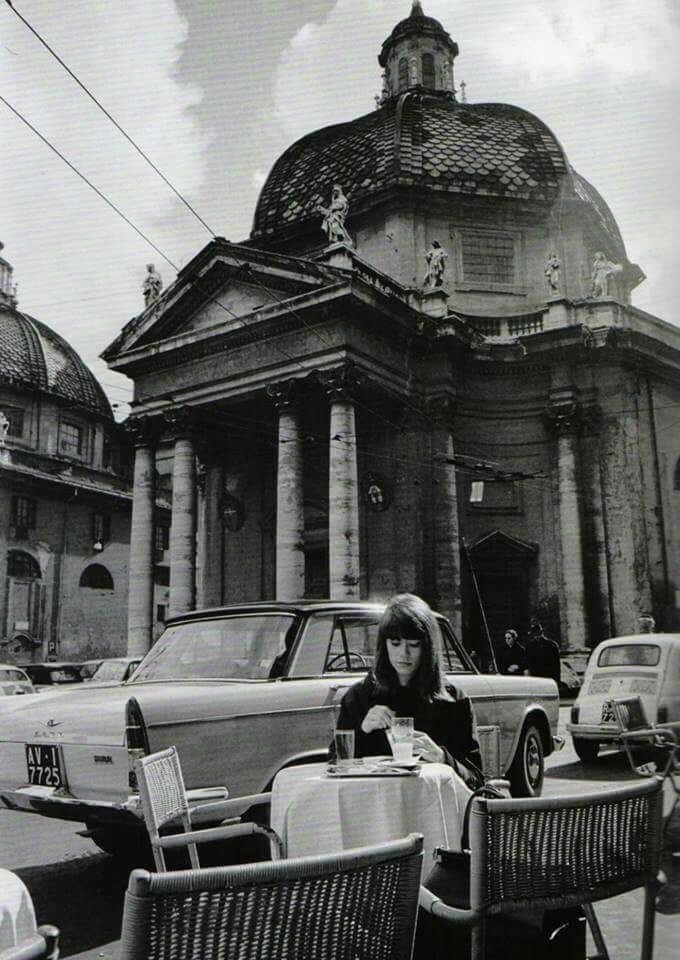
(44, 765)
(608, 715)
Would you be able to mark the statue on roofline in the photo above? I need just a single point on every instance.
(436, 258)
(334, 217)
(152, 286)
(603, 269)
(552, 272)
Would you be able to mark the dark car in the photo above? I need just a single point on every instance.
(53, 674)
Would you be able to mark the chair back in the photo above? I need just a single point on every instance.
(630, 714)
(161, 790)
(564, 851)
(360, 904)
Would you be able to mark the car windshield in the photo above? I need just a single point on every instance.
(111, 670)
(241, 647)
(60, 675)
(630, 655)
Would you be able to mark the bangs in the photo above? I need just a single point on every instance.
(403, 623)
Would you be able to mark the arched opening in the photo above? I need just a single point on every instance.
(23, 565)
(428, 70)
(25, 595)
(403, 73)
(96, 577)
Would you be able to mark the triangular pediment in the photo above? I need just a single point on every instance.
(496, 543)
(223, 283)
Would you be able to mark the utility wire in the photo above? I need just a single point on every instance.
(106, 113)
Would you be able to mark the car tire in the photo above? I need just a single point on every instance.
(586, 750)
(129, 845)
(528, 768)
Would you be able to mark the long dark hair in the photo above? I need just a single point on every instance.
(408, 616)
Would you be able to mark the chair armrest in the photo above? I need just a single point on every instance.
(222, 809)
(437, 908)
(205, 794)
(224, 832)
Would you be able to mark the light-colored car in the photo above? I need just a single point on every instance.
(241, 691)
(643, 665)
(13, 681)
(114, 670)
(47, 676)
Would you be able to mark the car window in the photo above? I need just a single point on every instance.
(312, 649)
(17, 675)
(111, 670)
(630, 655)
(452, 657)
(353, 645)
(240, 647)
(64, 675)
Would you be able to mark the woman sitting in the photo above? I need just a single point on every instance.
(407, 681)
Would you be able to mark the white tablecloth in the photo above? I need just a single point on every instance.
(17, 917)
(316, 814)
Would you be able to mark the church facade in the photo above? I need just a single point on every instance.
(421, 372)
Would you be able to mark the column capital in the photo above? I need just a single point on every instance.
(143, 431)
(285, 394)
(565, 417)
(180, 423)
(341, 382)
(441, 408)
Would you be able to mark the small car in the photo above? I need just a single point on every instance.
(13, 681)
(114, 670)
(47, 675)
(570, 681)
(643, 665)
(242, 691)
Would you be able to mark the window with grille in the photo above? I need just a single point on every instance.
(101, 528)
(488, 258)
(23, 512)
(162, 537)
(70, 439)
(23, 565)
(403, 73)
(428, 70)
(15, 419)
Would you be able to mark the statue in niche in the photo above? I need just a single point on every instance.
(334, 217)
(413, 72)
(552, 272)
(152, 286)
(436, 258)
(4, 428)
(603, 269)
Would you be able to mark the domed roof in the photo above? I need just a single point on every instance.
(415, 23)
(423, 140)
(36, 358)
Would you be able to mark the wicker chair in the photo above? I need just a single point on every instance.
(636, 731)
(561, 852)
(165, 804)
(358, 905)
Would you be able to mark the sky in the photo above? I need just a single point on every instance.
(213, 91)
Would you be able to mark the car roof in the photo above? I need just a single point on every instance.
(281, 606)
(56, 665)
(11, 666)
(662, 639)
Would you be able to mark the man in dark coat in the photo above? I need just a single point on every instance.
(511, 657)
(542, 655)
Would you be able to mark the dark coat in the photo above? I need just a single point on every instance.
(507, 656)
(543, 658)
(448, 722)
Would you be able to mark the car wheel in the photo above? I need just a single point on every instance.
(528, 767)
(586, 750)
(127, 844)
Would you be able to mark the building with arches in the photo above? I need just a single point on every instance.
(65, 498)
(423, 362)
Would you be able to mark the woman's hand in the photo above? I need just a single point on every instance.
(379, 717)
(425, 747)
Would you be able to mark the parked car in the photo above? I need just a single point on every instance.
(46, 675)
(88, 667)
(13, 680)
(570, 681)
(241, 691)
(115, 670)
(643, 665)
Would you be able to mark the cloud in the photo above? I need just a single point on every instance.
(53, 225)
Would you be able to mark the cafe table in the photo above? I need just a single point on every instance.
(315, 813)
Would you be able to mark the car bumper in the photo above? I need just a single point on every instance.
(592, 731)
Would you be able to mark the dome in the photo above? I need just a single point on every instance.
(424, 141)
(36, 358)
(417, 24)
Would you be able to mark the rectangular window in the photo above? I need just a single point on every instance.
(162, 576)
(160, 612)
(488, 258)
(101, 528)
(70, 439)
(15, 419)
(162, 537)
(23, 512)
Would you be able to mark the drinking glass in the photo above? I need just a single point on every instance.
(401, 738)
(344, 747)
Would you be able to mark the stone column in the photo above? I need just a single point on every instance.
(141, 565)
(565, 419)
(600, 618)
(290, 520)
(343, 485)
(183, 528)
(446, 536)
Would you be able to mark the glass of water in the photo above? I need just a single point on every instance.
(401, 738)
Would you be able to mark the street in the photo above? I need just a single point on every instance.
(81, 890)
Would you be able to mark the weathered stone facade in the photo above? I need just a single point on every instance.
(346, 411)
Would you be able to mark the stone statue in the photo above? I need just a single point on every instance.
(334, 217)
(413, 72)
(152, 285)
(552, 272)
(602, 271)
(436, 264)
(4, 428)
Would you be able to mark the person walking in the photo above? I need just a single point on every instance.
(542, 654)
(511, 657)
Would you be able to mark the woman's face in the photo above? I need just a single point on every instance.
(404, 654)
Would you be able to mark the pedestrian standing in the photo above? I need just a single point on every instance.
(511, 657)
(542, 654)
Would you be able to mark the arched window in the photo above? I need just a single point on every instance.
(403, 73)
(20, 564)
(676, 478)
(428, 70)
(96, 577)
